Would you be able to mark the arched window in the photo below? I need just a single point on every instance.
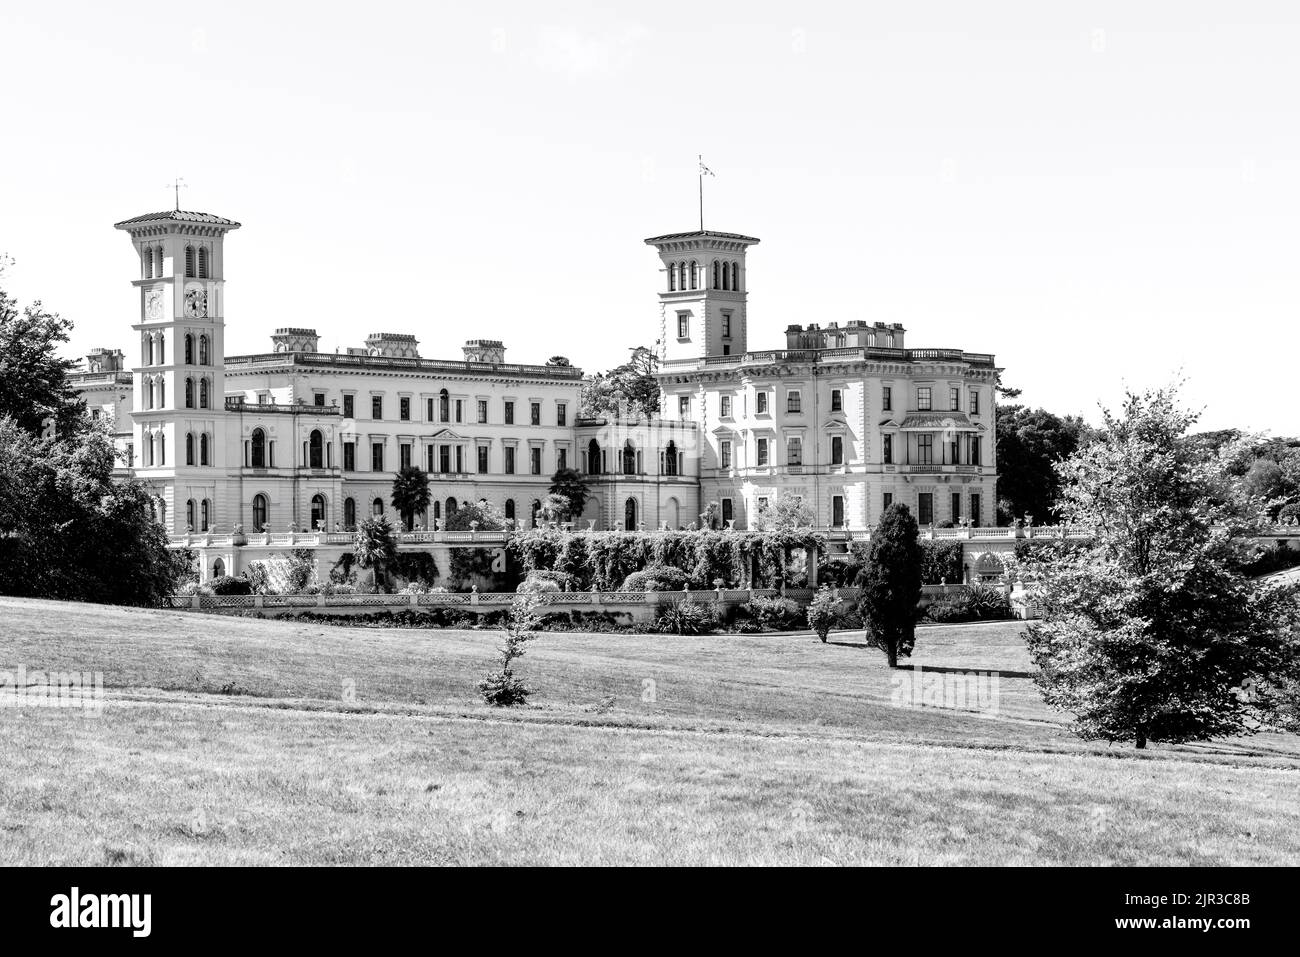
(189, 448)
(203, 350)
(694, 275)
(203, 449)
(203, 262)
(510, 509)
(189, 349)
(377, 507)
(536, 512)
(451, 508)
(593, 457)
(257, 448)
(148, 262)
(189, 392)
(162, 449)
(629, 458)
(672, 277)
(349, 514)
(716, 265)
(629, 515)
(259, 513)
(735, 276)
(205, 515)
(189, 515)
(316, 450)
(437, 510)
(726, 277)
(444, 406)
(162, 511)
(162, 392)
(189, 262)
(158, 261)
(203, 393)
(317, 511)
(681, 276)
(670, 459)
(218, 568)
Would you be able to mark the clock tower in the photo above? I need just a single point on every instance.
(179, 381)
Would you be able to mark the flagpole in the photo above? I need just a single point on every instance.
(700, 174)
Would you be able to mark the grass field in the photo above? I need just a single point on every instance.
(227, 740)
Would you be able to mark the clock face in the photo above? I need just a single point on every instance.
(153, 304)
(196, 304)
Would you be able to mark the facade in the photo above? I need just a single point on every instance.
(295, 440)
(845, 417)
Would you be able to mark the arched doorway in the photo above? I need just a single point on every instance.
(257, 447)
(349, 513)
(316, 450)
(317, 511)
(629, 458)
(259, 513)
(451, 508)
(593, 457)
(670, 459)
(629, 515)
(673, 512)
(218, 568)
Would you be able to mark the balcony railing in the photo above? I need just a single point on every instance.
(237, 403)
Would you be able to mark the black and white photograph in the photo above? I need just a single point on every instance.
(678, 435)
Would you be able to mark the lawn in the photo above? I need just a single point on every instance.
(228, 740)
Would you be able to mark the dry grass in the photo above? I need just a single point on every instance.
(761, 749)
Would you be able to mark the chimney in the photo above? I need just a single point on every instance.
(294, 340)
(485, 350)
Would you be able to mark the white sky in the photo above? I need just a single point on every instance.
(1099, 193)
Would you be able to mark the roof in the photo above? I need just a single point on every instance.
(177, 216)
(700, 234)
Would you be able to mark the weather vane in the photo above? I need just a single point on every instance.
(176, 187)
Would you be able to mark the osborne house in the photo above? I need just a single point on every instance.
(292, 446)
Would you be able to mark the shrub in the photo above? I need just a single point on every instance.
(231, 585)
(941, 562)
(416, 587)
(301, 569)
(684, 617)
(532, 585)
(976, 603)
(777, 614)
(502, 688)
(656, 577)
(822, 616)
(259, 579)
(563, 581)
(1289, 514)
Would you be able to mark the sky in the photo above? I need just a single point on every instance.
(1104, 195)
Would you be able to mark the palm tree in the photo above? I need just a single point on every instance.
(375, 545)
(410, 494)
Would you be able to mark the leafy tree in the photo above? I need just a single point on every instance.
(58, 494)
(375, 545)
(1029, 444)
(481, 515)
(410, 493)
(570, 485)
(1151, 631)
(33, 379)
(559, 361)
(788, 512)
(554, 508)
(632, 386)
(891, 584)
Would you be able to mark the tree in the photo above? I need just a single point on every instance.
(501, 687)
(410, 493)
(56, 495)
(631, 387)
(375, 545)
(481, 515)
(559, 361)
(789, 512)
(891, 584)
(33, 379)
(1029, 444)
(1151, 631)
(554, 508)
(570, 485)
